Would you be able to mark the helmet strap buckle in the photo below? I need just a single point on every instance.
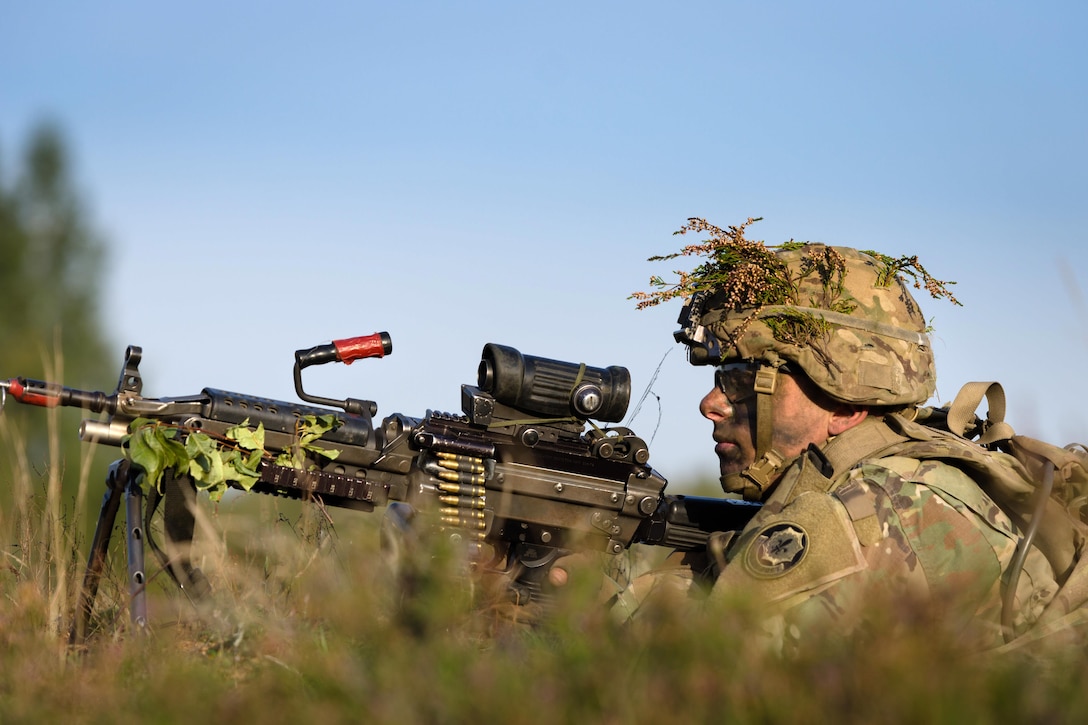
(754, 481)
(766, 379)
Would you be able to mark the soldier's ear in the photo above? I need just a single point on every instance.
(845, 417)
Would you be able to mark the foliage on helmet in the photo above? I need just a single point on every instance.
(844, 316)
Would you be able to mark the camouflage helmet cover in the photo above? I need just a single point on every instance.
(844, 316)
(859, 337)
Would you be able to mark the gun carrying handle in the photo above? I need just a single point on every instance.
(346, 351)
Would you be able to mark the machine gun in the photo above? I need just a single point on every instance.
(522, 475)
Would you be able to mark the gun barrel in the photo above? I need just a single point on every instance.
(51, 395)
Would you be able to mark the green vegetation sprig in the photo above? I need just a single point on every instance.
(746, 276)
(909, 266)
(750, 274)
(217, 462)
(748, 271)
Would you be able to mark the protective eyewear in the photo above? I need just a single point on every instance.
(741, 381)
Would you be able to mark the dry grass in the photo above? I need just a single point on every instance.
(306, 624)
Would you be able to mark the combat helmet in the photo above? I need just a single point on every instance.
(843, 317)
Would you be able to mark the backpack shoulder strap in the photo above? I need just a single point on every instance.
(961, 413)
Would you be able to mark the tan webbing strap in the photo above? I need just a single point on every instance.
(765, 383)
(962, 412)
(872, 438)
(868, 439)
(754, 481)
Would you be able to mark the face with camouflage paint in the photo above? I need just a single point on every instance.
(802, 415)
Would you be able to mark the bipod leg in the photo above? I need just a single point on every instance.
(134, 543)
(116, 481)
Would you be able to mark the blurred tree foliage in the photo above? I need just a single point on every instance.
(51, 272)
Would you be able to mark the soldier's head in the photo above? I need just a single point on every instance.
(805, 340)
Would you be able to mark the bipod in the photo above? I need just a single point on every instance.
(120, 480)
(178, 519)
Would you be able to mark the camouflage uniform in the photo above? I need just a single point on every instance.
(891, 528)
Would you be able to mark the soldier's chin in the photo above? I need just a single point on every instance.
(731, 458)
(731, 468)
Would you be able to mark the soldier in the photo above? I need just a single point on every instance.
(821, 364)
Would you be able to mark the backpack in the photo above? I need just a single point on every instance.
(1042, 487)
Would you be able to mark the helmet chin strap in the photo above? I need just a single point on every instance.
(754, 481)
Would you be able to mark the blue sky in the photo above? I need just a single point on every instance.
(275, 175)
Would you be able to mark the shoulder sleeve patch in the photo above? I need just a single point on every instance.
(809, 544)
(776, 549)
